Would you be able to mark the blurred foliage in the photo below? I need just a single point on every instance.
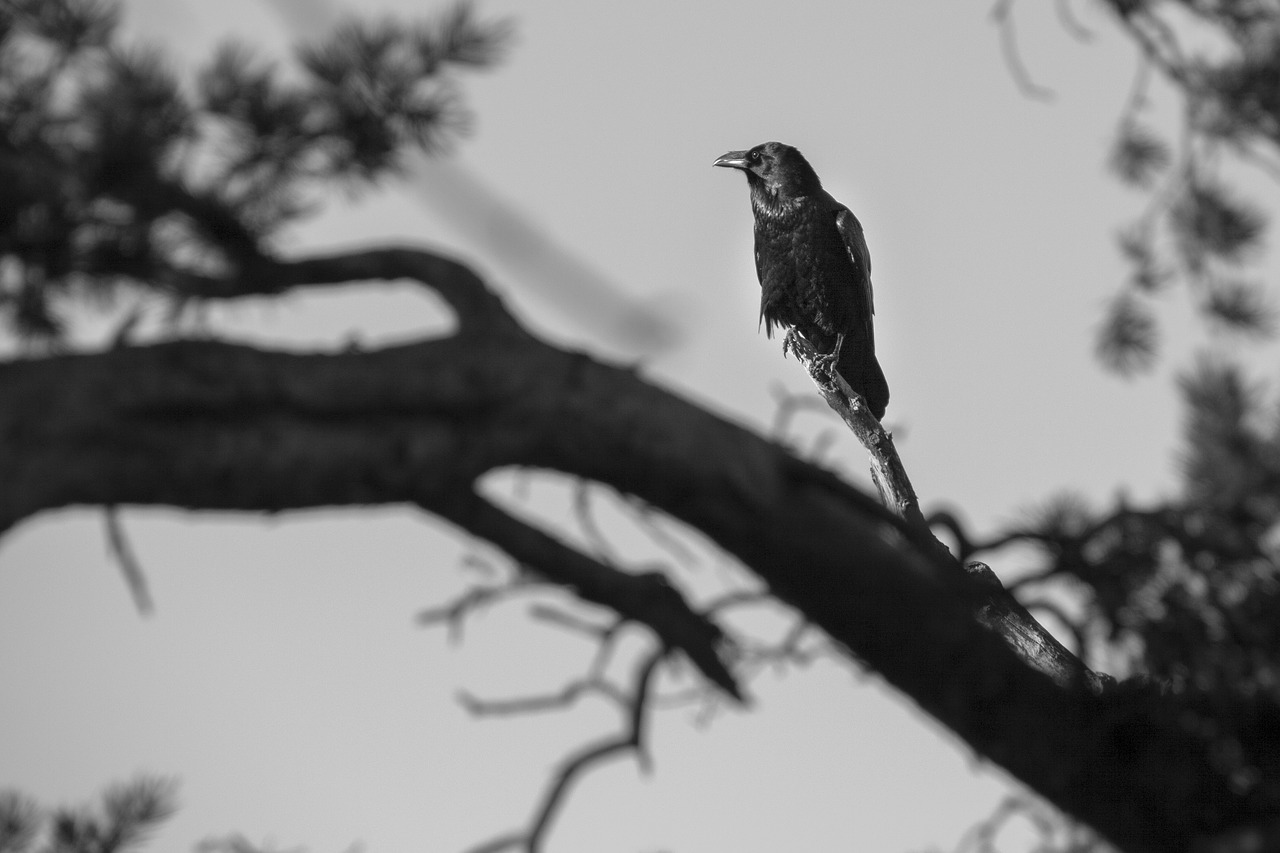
(1185, 592)
(120, 174)
(124, 819)
(1181, 596)
(1222, 57)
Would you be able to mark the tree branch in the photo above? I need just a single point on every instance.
(476, 306)
(130, 568)
(630, 739)
(647, 597)
(454, 613)
(208, 425)
(1002, 14)
(887, 471)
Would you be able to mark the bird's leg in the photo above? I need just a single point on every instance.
(791, 343)
(827, 361)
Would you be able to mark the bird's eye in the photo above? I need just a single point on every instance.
(754, 156)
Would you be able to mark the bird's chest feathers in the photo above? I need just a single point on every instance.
(802, 263)
(781, 232)
(798, 231)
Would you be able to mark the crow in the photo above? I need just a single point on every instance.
(813, 266)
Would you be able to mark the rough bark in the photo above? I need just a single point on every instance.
(211, 425)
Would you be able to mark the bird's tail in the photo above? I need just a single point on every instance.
(858, 366)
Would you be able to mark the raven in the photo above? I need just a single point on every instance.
(813, 266)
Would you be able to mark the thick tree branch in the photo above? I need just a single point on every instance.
(207, 425)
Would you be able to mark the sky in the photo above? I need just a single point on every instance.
(283, 678)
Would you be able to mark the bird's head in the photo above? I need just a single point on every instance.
(775, 169)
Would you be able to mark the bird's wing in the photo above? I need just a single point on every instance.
(851, 232)
(764, 292)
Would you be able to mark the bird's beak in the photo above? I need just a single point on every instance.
(733, 160)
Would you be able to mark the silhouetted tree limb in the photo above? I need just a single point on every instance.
(454, 613)
(211, 425)
(124, 556)
(634, 705)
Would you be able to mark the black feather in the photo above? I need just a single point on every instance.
(813, 264)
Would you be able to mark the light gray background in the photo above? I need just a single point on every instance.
(283, 679)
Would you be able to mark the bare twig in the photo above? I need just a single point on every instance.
(125, 558)
(1157, 41)
(650, 520)
(571, 622)
(634, 703)
(585, 514)
(753, 657)
(629, 739)
(479, 563)
(594, 681)
(1070, 23)
(788, 404)
(1054, 830)
(454, 613)
(822, 444)
(1002, 14)
(648, 597)
(565, 697)
(632, 739)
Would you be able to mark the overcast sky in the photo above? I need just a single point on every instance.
(283, 679)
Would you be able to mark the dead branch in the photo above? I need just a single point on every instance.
(585, 514)
(1002, 14)
(127, 560)
(455, 613)
(648, 598)
(650, 520)
(630, 739)
(1070, 23)
(571, 622)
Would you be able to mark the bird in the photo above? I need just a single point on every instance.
(813, 265)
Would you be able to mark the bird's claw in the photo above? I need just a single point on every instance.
(826, 362)
(818, 362)
(790, 344)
